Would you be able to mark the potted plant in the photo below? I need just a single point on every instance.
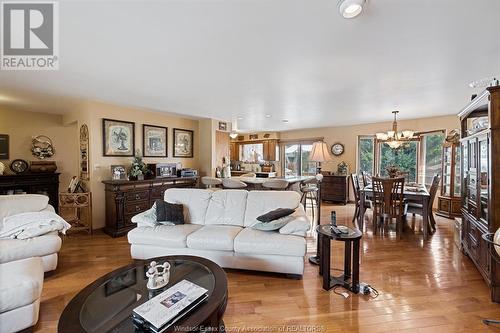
(139, 169)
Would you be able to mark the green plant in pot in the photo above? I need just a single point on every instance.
(139, 170)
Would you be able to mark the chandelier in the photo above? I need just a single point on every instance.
(394, 138)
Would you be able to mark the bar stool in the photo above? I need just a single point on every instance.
(310, 189)
(211, 182)
(233, 183)
(276, 184)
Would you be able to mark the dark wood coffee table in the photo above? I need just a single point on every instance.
(106, 305)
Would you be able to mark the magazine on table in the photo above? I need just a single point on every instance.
(163, 310)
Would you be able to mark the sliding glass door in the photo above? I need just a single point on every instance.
(292, 160)
(296, 160)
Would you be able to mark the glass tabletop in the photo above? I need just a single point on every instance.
(108, 307)
(326, 230)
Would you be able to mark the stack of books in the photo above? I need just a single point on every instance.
(165, 309)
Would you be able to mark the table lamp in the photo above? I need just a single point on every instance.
(319, 153)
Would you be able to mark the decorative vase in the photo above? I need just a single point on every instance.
(132, 177)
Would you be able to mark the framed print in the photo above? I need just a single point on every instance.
(154, 140)
(183, 143)
(4, 146)
(118, 138)
(118, 172)
(222, 126)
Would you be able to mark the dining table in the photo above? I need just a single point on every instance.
(416, 193)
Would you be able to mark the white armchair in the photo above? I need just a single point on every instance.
(21, 285)
(45, 246)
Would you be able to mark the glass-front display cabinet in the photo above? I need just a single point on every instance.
(449, 201)
(480, 174)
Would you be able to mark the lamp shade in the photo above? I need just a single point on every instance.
(320, 152)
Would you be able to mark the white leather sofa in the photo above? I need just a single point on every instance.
(21, 285)
(45, 247)
(218, 227)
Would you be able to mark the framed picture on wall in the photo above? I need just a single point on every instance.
(118, 138)
(222, 126)
(154, 140)
(183, 143)
(4, 146)
(118, 172)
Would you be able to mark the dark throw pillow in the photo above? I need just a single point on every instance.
(166, 211)
(275, 214)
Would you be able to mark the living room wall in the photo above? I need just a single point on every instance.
(92, 114)
(22, 125)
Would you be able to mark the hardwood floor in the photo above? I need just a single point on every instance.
(424, 287)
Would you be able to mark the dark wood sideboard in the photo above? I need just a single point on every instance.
(33, 183)
(125, 198)
(335, 188)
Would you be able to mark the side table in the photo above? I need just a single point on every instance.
(350, 279)
(81, 203)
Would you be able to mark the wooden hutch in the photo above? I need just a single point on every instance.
(480, 173)
(450, 201)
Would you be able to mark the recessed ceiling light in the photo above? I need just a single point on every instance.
(285, 120)
(351, 8)
(240, 118)
(268, 116)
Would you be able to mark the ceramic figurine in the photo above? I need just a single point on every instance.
(158, 275)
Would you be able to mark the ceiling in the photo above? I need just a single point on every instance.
(240, 60)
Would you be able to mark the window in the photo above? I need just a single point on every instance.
(405, 158)
(296, 160)
(432, 146)
(366, 154)
(419, 160)
(252, 153)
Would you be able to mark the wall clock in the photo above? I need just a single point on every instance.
(19, 166)
(337, 149)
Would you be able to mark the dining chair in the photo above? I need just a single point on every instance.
(388, 202)
(249, 175)
(309, 189)
(417, 208)
(233, 183)
(357, 201)
(276, 184)
(211, 182)
(367, 178)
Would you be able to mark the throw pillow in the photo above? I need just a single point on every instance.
(299, 227)
(169, 212)
(273, 225)
(275, 214)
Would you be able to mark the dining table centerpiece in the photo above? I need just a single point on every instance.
(393, 171)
